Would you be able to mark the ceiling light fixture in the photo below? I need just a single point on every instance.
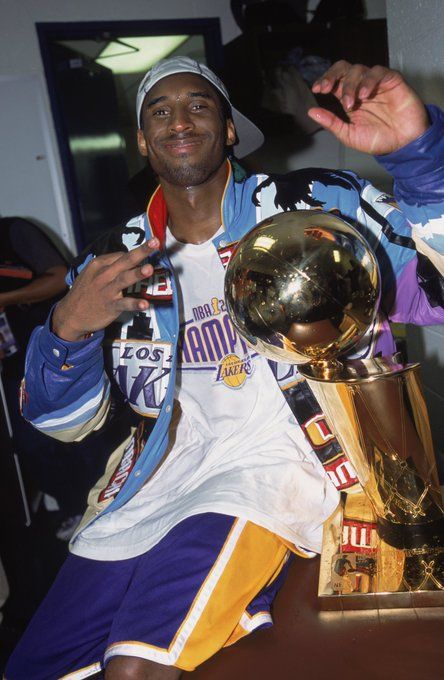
(140, 53)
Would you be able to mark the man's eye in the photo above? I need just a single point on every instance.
(197, 107)
(160, 112)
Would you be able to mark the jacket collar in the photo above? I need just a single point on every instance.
(157, 211)
(238, 213)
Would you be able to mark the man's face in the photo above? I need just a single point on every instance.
(184, 135)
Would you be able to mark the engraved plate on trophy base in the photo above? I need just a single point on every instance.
(360, 571)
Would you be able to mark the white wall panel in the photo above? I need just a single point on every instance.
(31, 185)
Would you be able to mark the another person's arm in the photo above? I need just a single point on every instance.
(48, 285)
(47, 266)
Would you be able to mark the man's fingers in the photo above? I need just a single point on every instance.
(343, 80)
(330, 79)
(129, 277)
(371, 80)
(131, 304)
(328, 121)
(351, 83)
(123, 259)
(134, 257)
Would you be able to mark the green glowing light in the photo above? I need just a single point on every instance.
(86, 144)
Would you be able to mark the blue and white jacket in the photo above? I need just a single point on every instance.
(66, 390)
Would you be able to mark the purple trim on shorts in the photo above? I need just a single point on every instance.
(263, 601)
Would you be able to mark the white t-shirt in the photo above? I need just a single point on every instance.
(235, 446)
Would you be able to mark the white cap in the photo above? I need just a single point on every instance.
(250, 137)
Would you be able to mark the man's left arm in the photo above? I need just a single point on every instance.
(386, 118)
(418, 172)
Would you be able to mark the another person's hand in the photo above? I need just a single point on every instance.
(96, 298)
(384, 112)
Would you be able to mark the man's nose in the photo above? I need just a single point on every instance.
(180, 120)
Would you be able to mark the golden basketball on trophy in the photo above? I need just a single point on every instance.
(303, 288)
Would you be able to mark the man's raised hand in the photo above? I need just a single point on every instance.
(384, 112)
(96, 297)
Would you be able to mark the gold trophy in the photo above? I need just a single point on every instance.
(303, 288)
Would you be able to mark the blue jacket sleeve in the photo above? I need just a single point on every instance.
(418, 172)
(407, 232)
(65, 392)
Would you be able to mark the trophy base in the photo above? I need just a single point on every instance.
(359, 570)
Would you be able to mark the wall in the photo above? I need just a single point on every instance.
(416, 42)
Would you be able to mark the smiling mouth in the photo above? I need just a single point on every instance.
(181, 146)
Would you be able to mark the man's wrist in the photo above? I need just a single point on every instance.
(418, 168)
(63, 329)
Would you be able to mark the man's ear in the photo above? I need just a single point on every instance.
(231, 136)
(141, 143)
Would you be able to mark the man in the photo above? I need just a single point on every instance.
(190, 531)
